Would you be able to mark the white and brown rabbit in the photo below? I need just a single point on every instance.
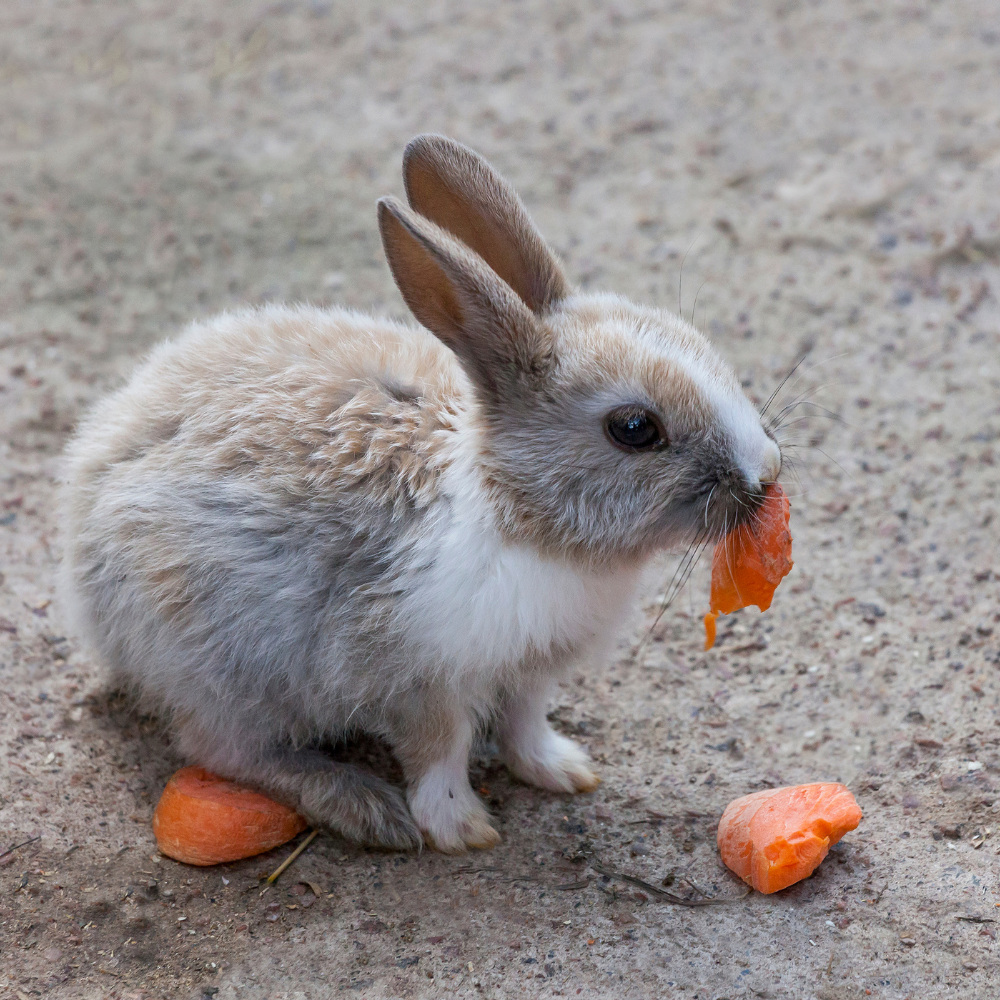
(297, 523)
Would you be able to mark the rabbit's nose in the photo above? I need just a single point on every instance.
(770, 465)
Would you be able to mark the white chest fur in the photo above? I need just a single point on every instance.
(484, 605)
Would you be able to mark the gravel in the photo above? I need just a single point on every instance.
(803, 178)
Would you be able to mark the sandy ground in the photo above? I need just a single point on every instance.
(825, 176)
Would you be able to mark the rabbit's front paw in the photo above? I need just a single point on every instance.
(449, 815)
(456, 835)
(553, 762)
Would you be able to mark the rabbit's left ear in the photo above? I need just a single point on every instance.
(458, 190)
(453, 293)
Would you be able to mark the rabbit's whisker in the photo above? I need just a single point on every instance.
(763, 410)
(802, 375)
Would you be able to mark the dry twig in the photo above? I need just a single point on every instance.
(272, 878)
(655, 891)
(659, 893)
(24, 843)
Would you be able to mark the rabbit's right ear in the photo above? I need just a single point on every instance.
(456, 188)
(452, 292)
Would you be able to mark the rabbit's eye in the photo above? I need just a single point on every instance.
(632, 428)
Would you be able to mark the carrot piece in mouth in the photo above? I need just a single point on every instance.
(202, 819)
(750, 562)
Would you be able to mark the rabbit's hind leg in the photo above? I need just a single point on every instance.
(342, 798)
(339, 797)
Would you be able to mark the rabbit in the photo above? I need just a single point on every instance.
(294, 524)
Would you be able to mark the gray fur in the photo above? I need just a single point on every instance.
(294, 524)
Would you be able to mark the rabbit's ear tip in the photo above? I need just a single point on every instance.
(431, 144)
(417, 144)
(388, 207)
(431, 139)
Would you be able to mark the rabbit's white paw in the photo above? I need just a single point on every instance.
(544, 758)
(448, 812)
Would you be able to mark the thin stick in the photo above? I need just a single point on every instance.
(11, 850)
(291, 857)
(668, 896)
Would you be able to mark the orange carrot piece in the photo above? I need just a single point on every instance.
(710, 629)
(777, 837)
(202, 819)
(750, 562)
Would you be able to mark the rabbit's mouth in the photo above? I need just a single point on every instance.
(721, 506)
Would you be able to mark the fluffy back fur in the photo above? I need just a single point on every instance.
(295, 522)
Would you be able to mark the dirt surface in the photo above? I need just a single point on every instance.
(825, 177)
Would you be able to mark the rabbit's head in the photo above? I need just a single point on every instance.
(604, 430)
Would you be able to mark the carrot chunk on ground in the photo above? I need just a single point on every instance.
(777, 837)
(750, 562)
(202, 819)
